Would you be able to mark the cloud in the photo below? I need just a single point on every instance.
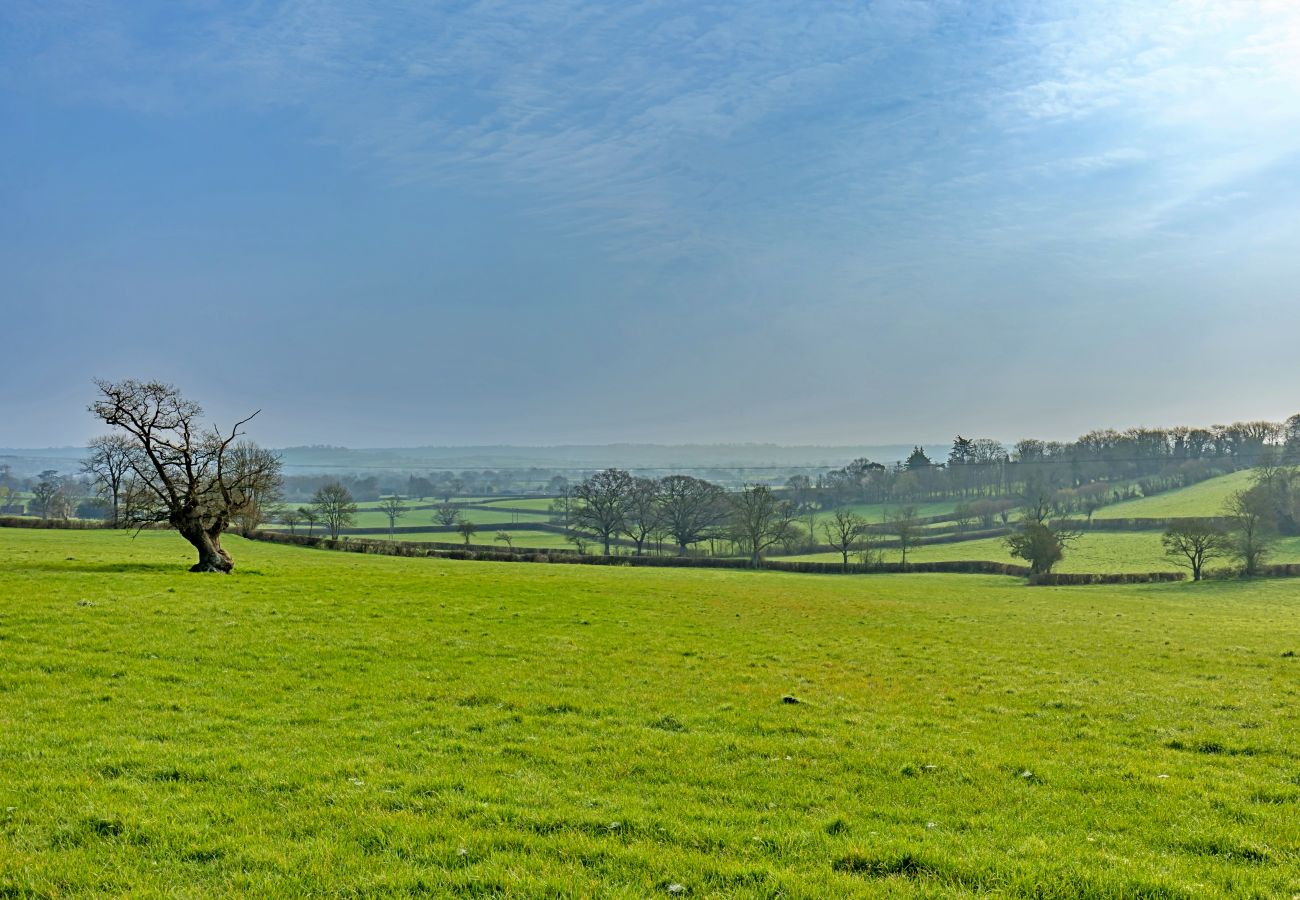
(664, 128)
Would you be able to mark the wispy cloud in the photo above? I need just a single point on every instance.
(702, 127)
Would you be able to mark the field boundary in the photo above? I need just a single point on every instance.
(483, 553)
(480, 553)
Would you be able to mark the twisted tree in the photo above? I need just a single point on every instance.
(193, 477)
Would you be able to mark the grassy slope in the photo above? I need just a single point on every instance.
(1100, 551)
(1203, 499)
(373, 518)
(540, 540)
(334, 724)
(535, 504)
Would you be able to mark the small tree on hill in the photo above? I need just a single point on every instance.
(334, 508)
(310, 516)
(1252, 538)
(467, 529)
(394, 507)
(844, 532)
(446, 514)
(907, 528)
(1193, 544)
(291, 518)
(503, 537)
(1040, 544)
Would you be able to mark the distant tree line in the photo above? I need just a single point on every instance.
(1075, 477)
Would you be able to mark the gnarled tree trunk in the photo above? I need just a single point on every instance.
(208, 542)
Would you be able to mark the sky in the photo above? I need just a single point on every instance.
(555, 221)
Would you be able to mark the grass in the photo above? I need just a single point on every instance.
(1098, 551)
(531, 504)
(1206, 498)
(337, 724)
(373, 518)
(522, 539)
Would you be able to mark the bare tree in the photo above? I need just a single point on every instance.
(1252, 538)
(907, 528)
(1194, 543)
(844, 532)
(644, 515)
(395, 508)
(109, 465)
(187, 475)
(334, 508)
(467, 529)
(46, 500)
(310, 516)
(601, 504)
(446, 514)
(692, 510)
(759, 520)
(262, 498)
(290, 518)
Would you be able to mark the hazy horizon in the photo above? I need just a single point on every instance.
(562, 222)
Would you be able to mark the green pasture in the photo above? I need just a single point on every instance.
(1096, 551)
(372, 518)
(335, 724)
(1205, 498)
(522, 539)
(534, 504)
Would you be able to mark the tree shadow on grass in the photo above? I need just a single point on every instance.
(102, 568)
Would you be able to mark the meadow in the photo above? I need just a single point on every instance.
(372, 518)
(329, 723)
(1206, 498)
(1097, 551)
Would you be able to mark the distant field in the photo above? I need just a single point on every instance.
(372, 518)
(1099, 551)
(885, 512)
(334, 724)
(539, 504)
(522, 539)
(1203, 499)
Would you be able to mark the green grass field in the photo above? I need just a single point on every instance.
(345, 725)
(522, 539)
(533, 504)
(1099, 551)
(1203, 499)
(373, 519)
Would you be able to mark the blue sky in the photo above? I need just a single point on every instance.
(555, 221)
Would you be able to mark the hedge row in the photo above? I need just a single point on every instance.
(479, 552)
(1067, 578)
(454, 529)
(74, 524)
(1150, 524)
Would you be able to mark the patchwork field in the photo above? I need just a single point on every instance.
(1098, 551)
(1203, 499)
(325, 723)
